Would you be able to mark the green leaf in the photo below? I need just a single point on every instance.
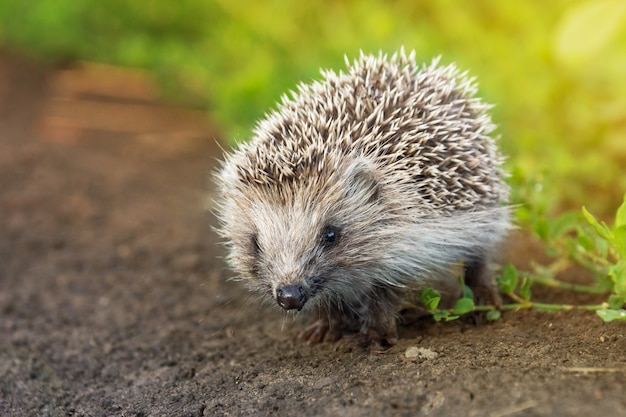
(590, 217)
(525, 289)
(601, 227)
(463, 306)
(440, 315)
(620, 217)
(508, 280)
(430, 298)
(467, 292)
(617, 273)
(584, 240)
(619, 240)
(564, 224)
(616, 301)
(610, 315)
(542, 228)
(493, 315)
(602, 246)
(444, 315)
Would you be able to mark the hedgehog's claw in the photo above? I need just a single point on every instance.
(372, 340)
(322, 330)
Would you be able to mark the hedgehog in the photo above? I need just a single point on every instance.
(362, 189)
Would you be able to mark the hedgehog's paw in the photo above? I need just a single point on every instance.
(481, 280)
(487, 296)
(372, 339)
(322, 330)
(484, 295)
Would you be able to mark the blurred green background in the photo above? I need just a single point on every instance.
(555, 70)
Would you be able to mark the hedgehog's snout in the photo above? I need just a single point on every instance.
(291, 297)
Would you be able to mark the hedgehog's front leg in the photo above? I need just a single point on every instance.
(481, 280)
(354, 327)
(378, 329)
(327, 326)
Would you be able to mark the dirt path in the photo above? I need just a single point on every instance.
(113, 299)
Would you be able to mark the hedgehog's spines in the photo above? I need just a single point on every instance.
(393, 111)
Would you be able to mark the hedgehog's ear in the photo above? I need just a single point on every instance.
(362, 182)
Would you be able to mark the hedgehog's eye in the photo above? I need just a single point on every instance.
(330, 236)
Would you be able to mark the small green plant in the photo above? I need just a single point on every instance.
(573, 239)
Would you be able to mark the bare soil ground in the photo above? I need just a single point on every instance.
(114, 299)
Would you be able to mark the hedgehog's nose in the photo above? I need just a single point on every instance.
(291, 297)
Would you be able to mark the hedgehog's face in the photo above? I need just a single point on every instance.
(309, 243)
(297, 255)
